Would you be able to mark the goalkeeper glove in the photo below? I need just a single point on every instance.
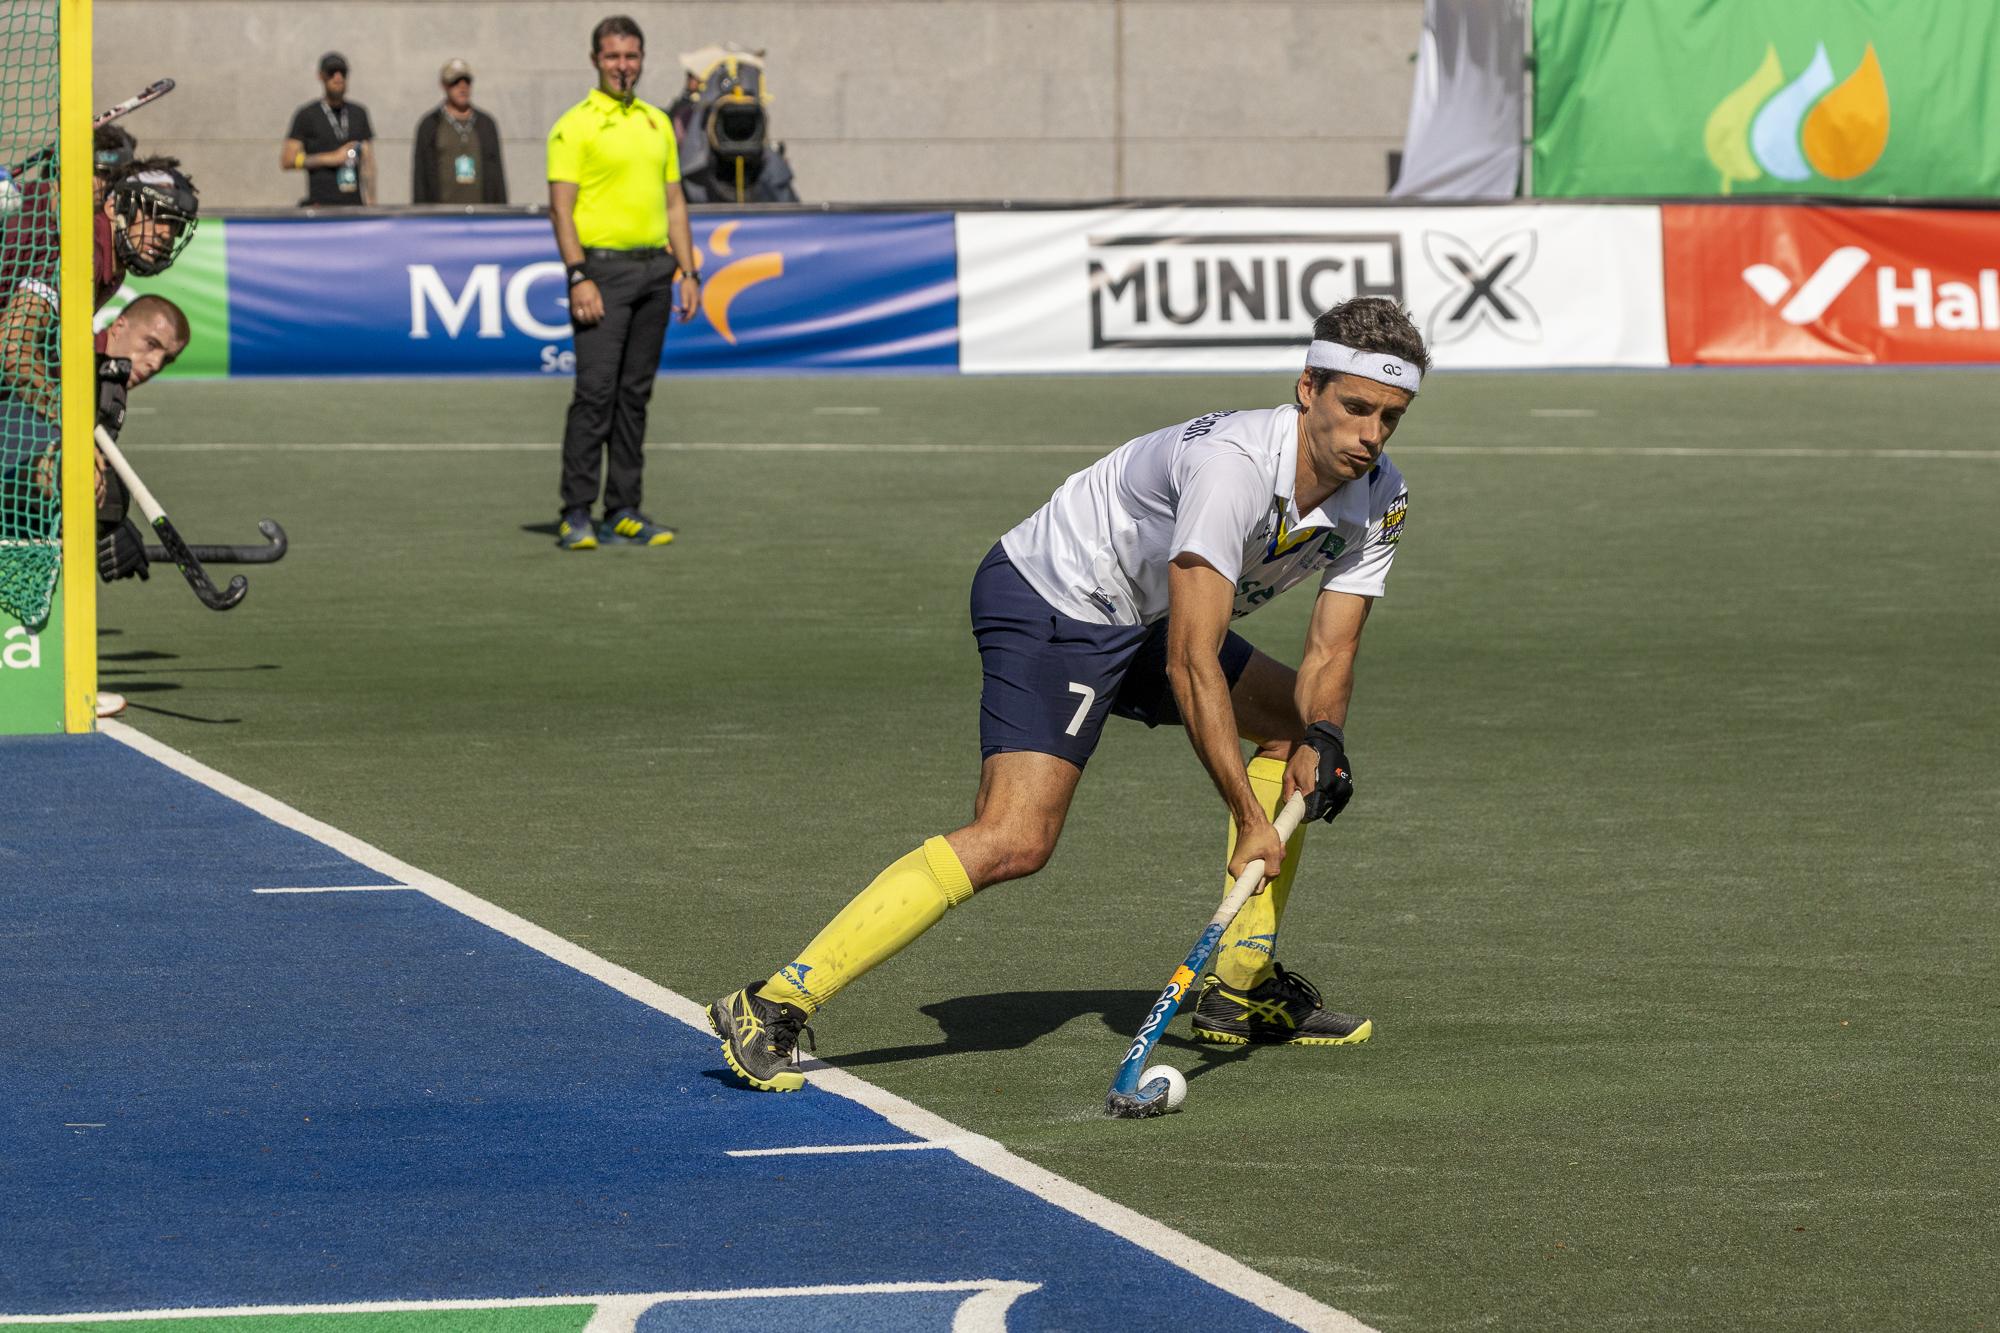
(121, 553)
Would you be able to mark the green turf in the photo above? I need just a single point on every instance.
(1669, 880)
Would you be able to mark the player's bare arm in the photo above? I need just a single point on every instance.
(586, 303)
(1200, 600)
(368, 172)
(23, 333)
(293, 156)
(1326, 676)
(680, 238)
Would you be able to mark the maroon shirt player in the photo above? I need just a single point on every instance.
(148, 217)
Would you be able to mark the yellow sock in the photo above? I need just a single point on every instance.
(1248, 948)
(905, 900)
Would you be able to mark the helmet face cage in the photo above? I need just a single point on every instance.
(164, 198)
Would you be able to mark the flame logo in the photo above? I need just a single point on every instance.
(1792, 130)
(726, 285)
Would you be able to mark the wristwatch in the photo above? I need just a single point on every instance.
(576, 274)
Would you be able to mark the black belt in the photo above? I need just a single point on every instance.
(638, 252)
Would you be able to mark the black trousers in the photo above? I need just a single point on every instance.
(617, 359)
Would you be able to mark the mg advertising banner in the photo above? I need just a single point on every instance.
(1768, 283)
(1192, 288)
(431, 296)
(1841, 97)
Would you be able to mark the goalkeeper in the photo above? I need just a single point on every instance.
(1116, 597)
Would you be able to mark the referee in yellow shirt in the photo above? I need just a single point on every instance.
(622, 225)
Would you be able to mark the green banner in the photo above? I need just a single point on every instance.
(1884, 98)
(199, 284)
(31, 674)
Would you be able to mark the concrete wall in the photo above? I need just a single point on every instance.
(877, 100)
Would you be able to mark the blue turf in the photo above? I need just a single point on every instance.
(351, 1097)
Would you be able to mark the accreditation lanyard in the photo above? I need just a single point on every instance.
(339, 125)
(345, 178)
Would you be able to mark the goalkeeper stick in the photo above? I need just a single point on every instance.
(1127, 1100)
(170, 538)
(151, 93)
(276, 544)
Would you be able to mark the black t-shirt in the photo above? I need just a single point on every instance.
(320, 128)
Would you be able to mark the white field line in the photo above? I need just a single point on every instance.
(347, 888)
(1208, 1264)
(815, 1149)
(617, 1312)
(1095, 447)
(669, 446)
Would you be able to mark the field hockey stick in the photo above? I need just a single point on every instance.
(151, 93)
(170, 538)
(1127, 1100)
(273, 550)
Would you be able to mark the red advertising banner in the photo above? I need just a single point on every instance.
(1749, 284)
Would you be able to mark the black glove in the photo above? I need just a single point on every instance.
(121, 553)
(114, 374)
(1335, 787)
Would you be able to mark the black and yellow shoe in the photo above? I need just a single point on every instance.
(1284, 1010)
(629, 527)
(760, 1038)
(574, 531)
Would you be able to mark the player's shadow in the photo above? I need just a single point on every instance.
(117, 674)
(184, 717)
(1011, 1020)
(540, 529)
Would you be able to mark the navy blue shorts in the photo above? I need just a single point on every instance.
(1050, 681)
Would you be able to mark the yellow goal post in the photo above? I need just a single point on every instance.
(48, 519)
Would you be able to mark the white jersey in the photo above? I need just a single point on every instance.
(1220, 487)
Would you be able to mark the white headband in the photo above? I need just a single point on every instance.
(1377, 366)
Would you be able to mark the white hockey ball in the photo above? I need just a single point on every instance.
(1176, 1083)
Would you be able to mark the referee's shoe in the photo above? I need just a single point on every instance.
(1284, 1010)
(629, 527)
(574, 532)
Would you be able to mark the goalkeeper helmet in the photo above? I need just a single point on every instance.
(112, 151)
(154, 210)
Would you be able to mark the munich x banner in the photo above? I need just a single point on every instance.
(1766, 283)
(1211, 288)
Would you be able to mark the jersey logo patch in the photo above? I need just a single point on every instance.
(1286, 539)
(1392, 520)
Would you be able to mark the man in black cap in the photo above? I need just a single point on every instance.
(332, 141)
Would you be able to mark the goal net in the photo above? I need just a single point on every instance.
(30, 355)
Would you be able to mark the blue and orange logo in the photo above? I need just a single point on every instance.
(1810, 125)
(728, 282)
